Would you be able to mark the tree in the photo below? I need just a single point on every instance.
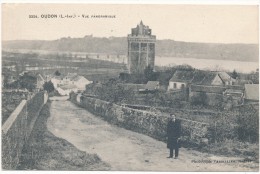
(200, 99)
(27, 81)
(254, 77)
(48, 86)
(57, 73)
(234, 74)
(149, 74)
(113, 92)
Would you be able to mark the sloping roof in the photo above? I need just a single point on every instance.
(199, 77)
(151, 85)
(252, 92)
(182, 76)
(58, 77)
(69, 86)
(77, 77)
(41, 77)
(207, 79)
(225, 77)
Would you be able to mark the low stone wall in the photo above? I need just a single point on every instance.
(141, 121)
(17, 129)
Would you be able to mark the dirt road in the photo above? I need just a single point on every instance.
(127, 150)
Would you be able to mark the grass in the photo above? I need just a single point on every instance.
(234, 148)
(44, 151)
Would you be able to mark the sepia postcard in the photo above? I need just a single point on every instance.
(130, 87)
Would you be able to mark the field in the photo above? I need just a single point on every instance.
(10, 100)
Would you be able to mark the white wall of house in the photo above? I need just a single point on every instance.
(56, 82)
(66, 91)
(217, 81)
(176, 85)
(81, 83)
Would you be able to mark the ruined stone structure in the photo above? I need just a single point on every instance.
(141, 49)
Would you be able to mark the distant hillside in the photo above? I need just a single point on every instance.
(118, 45)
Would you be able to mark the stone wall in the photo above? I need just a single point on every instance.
(17, 129)
(142, 121)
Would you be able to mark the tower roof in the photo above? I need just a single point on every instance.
(141, 30)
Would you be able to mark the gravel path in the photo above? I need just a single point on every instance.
(126, 150)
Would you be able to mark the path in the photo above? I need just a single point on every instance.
(124, 149)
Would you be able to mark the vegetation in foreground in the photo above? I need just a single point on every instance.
(44, 151)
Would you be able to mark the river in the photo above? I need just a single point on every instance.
(205, 64)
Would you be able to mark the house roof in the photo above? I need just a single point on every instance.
(69, 86)
(199, 77)
(58, 77)
(151, 85)
(41, 77)
(252, 92)
(225, 77)
(207, 79)
(77, 77)
(182, 76)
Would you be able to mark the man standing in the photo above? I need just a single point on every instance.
(173, 135)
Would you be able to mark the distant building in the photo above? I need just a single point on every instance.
(71, 82)
(152, 85)
(57, 81)
(80, 82)
(183, 78)
(141, 49)
(67, 89)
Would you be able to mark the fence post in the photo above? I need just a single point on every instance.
(215, 132)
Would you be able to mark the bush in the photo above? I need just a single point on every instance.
(48, 86)
(199, 99)
(247, 120)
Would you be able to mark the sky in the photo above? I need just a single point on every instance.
(190, 23)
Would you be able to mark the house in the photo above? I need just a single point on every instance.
(68, 78)
(184, 78)
(67, 89)
(251, 93)
(57, 81)
(71, 81)
(180, 79)
(80, 82)
(152, 85)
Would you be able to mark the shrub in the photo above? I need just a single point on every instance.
(199, 99)
(247, 120)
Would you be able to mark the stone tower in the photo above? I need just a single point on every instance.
(141, 49)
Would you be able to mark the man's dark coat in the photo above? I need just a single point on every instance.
(173, 133)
